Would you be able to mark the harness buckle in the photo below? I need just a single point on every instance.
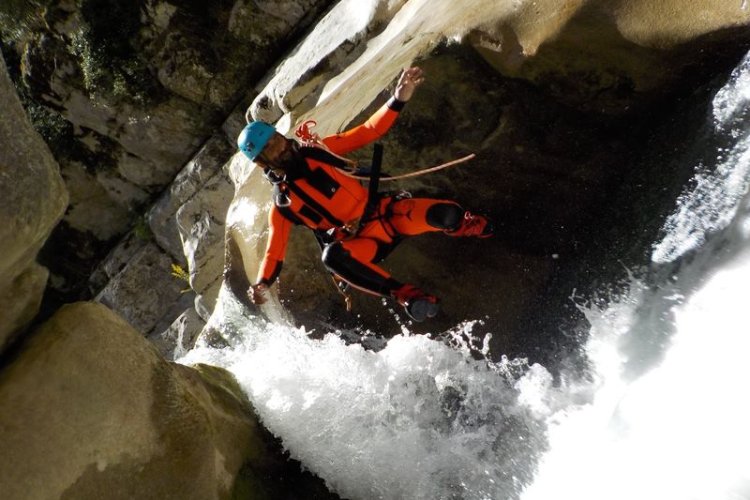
(281, 199)
(347, 231)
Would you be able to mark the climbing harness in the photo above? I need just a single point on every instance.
(312, 147)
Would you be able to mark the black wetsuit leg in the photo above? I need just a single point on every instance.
(340, 262)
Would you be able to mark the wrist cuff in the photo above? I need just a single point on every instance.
(395, 104)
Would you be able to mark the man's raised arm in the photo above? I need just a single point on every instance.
(382, 120)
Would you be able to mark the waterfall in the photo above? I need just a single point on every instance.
(418, 419)
(668, 414)
(663, 415)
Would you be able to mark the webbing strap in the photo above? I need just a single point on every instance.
(314, 205)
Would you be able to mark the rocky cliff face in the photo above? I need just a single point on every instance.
(556, 129)
(139, 104)
(126, 96)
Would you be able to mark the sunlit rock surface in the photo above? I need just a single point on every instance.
(32, 200)
(91, 410)
(142, 291)
(549, 154)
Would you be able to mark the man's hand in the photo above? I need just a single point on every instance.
(410, 79)
(257, 293)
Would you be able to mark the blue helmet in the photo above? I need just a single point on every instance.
(254, 138)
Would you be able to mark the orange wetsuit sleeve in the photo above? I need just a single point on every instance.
(279, 229)
(361, 135)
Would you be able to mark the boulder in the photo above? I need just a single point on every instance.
(32, 200)
(97, 413)
(180, 336)
(614, 55)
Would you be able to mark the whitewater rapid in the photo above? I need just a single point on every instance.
(670, 409)
(663, 413)
(417, 419)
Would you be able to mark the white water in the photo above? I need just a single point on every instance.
(417, 419)
(665, 415)
(674, 424)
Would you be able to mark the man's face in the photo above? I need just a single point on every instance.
(279, 152)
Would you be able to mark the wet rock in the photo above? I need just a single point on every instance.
(191, 179)
(201, 222)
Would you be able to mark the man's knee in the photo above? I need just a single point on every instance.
(339, 261)
(446, 216)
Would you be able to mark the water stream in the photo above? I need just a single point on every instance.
(663, 414)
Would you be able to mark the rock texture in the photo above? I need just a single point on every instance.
(32, 200)
(610, 56)
(93, 411)
(127, 95)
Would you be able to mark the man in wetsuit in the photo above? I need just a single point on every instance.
(312, 189)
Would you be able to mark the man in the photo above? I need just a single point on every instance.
(312, 188)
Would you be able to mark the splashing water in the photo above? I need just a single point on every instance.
(713, 202)
(676, 428)
(678, 431)
(664, 415)
(417, 419)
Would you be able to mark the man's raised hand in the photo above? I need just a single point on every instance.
(410, 79)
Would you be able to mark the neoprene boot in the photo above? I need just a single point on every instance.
(478, 226)
(417, 304)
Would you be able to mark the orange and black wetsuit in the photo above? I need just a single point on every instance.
(319, 196)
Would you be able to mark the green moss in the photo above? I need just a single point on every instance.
(142, 230)
(104, 45)
(18, 17)
(56, 131)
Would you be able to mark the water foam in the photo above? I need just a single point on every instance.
(417, 419)
(674, 427)
(677, 431)
(713, 200)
